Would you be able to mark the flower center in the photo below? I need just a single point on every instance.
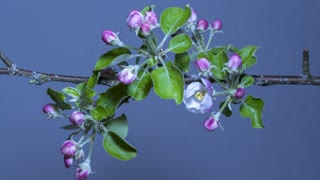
(199, 95)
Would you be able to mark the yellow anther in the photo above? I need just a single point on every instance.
(199, 95)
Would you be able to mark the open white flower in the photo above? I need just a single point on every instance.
(197, 99)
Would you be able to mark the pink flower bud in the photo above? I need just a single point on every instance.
(210, 124)
(234, 62)
(82, 174)
(68, 160)
(83, 171)
(134, 19)
(128, 74)
(111, 38)
(216, 25)
(76, 118)
(151, 18)
(68, 148)
(202, 64)
(145, 29)
(193, 17)
(239, 93)
(51, 110)
(202, 25)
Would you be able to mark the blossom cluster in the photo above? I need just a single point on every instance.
(70, 149)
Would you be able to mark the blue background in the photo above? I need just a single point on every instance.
(64, 37)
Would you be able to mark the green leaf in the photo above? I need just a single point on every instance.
(141, 87)
(70, 127)
(59, 99)
(180, 43)
(118, 147)
(93, 80)
(108, 57)
(247, 56)
(182, 61)
(119, 126)
(168, 82)
(147, 8)
(247, 81)
(206, 54)
(173, 18)
(81, 86)
(112, 98)
(72, 92)
(252, 108)
(99, 113)
(218, 61)
(226, 111)
(123, 57)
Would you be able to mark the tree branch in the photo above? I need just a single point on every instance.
(109, 79)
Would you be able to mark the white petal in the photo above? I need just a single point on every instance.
(192, 89)
(206, 104)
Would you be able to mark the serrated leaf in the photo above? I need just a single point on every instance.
(247, 81)
(252, 108)
(182, 61)
(180, 43)
(72, 92)
(119, 126)
(173, 18)
(226, 111)
(168, 82)
(141, 87)
(108, 57)
(218, 61)
(112, 98)
(59, 99)
(99, 113)
(118, 147)
(247, 56)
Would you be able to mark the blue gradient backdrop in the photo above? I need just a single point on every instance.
(64, 37)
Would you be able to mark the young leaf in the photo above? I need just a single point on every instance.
(59, 99)
(119, 126)
(72, 92)
(85, 101)
(173, 18)
(182, 61)
(247, 56)
(93, 80)
(206, 54)
(180, 43)
(99, 113)
(140, 88)
(112, 98)
(218, 61)
(123, 57)
(118, 147)
(252, 108)
(108, 57)
(168, 82)
(247, 81)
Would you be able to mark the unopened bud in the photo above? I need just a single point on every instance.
(76, 118)
(210, 124)
(239, 93)
(134, 20)
(216, 25)
(68, 148)
(202, 64)
(234, 62)
(202, 25)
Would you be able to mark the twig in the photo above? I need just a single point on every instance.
(39, 78)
